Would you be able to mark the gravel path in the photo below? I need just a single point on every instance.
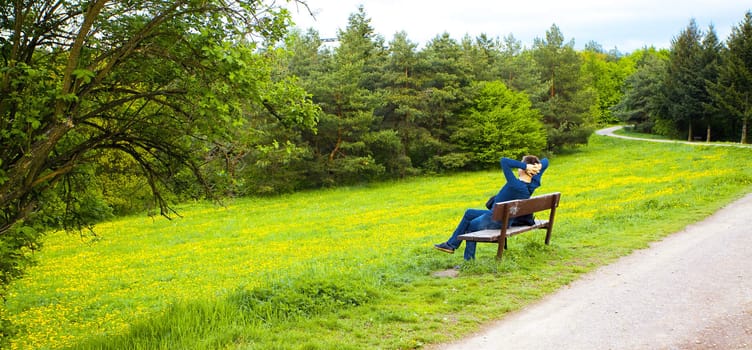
(692, 290)
(610, 132)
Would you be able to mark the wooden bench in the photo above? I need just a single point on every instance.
(504, 211)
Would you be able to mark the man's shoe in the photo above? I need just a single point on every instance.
(444, 248)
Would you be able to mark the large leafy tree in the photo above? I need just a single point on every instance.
(606, 74)
(157, 82)
(501, 122)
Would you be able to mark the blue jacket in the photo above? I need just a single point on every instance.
(514, 188)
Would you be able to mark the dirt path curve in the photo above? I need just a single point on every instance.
(610, 132)
(692, 290)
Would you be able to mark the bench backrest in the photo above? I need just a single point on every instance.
(521, 207)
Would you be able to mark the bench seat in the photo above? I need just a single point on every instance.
(494, 235)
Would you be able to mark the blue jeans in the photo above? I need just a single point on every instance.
(473, 220)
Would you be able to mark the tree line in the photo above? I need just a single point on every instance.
(390, 109)
(698, 90)
(111, 108)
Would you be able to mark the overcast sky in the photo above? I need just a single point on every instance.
(625, 25)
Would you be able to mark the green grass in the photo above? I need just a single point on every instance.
(350, 268)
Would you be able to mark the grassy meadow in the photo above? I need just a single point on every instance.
(350, 268)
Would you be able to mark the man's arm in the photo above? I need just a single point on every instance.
(508, 164)
(544, 166)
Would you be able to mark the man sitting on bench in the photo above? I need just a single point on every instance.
(530, 171)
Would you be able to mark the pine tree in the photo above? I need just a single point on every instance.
(643, 98)
(734, 88)
(519, 70)
(685, 86)
(567, 102)
(481, 55)
(345, 91)
(446, 76)
(710, 62)
(401, 103)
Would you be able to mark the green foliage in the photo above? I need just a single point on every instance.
(567, 104)
(519, 70)
(643, 100)
(606, 75)
(693, 91)
(85, 84)
(426, 95)
(731, 92)
(16, 250)
(685, 85)
(121, 184)
(387, 149)
(502, 123)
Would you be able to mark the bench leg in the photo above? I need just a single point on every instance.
(502, 245)
(548, 234)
